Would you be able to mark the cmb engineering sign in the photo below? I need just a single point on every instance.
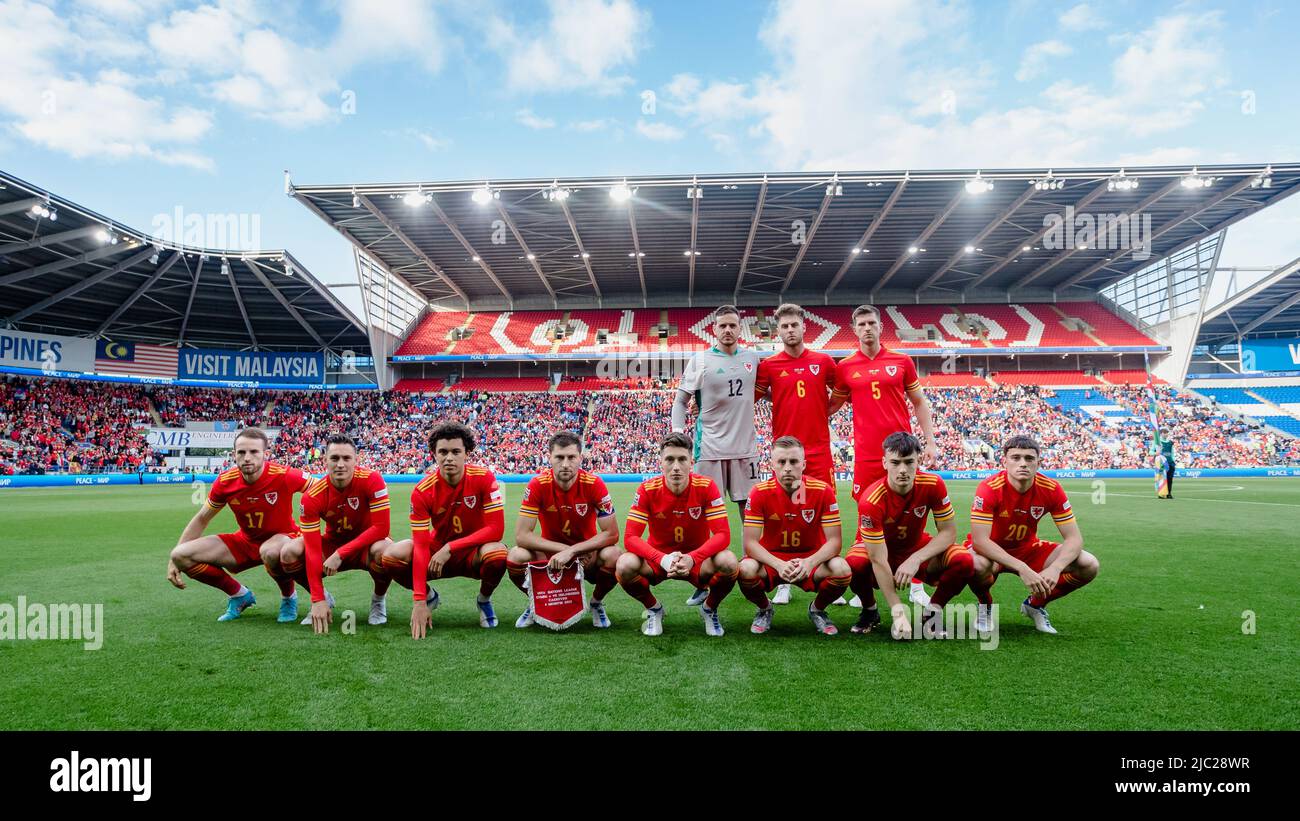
(177, 438)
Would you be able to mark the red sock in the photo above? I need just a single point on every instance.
(863, 580)
(605, 582)
(381, 581)
(752, 589)
(956, 575)
(1065, 585)
(214, 576)
(518, 572)
(830, 589)
(982, 587)
(490, 570)
(398, 571)
(639, 589)
(282, 580)
(719, 587)
(297, 572)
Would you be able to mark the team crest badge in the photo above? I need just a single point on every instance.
(581, 509)
(814, 369)
(470, 501)
(1036, 511)
(271, 497)
(979, 503)
(919, 512)
(808, 514)
(867, 522)
(749, 366)
(354, 502)
(891, 369)
(695, 512)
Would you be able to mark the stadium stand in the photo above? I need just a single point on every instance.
(1044, 378)
(829, 328)
(503, 384)
(55, 425)
(419, 385)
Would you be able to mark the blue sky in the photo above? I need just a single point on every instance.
(137, 108)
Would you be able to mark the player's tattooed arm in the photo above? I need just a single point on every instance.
(981, 536)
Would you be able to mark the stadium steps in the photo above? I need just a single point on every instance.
(1088, 333)
(564, 323)
(1281, 411)
(663, 320)
(153, 412)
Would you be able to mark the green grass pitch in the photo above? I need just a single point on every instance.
(1156, 642)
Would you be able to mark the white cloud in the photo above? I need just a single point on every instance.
(104, 117)
(1036, 56)
(662, 132)
(1081, 18)
(716, 102)
(601, 124)
(583, 47)
(883, 99)
(526, 117)
(431, 141)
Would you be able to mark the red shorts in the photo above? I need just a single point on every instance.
(463, 564)
(1035, 554)
(774, 578)
(924, 573)
(820, 466)
(247, 553)
(658, 575)
(865, 472)
(360, 560)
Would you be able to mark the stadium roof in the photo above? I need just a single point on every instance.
(1269, 307)
(67, 270)
(569, 243)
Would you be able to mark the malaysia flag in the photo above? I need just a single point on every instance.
(135, 360)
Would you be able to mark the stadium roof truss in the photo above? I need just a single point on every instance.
(1270, 306)
(67, 270)
(818, 238)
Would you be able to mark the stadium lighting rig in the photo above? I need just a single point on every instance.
(856, 250)
(417, 198)
(1048, 183)
(1264, 180)
(555, 193)
(978, 185)
(1120, 182)
(484, 195)
(1195, 180)
(106, 236)
(43, 210)
(621, 192)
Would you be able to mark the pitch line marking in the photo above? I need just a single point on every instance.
(1228, 501)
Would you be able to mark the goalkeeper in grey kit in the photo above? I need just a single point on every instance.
(721, 381)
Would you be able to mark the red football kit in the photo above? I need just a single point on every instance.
(1014, 516)
(800, 395)
(346, 521)
(567, 516)
(877, 388)
(792, 523)
(262, 509)
(694, 522)
(460, 517)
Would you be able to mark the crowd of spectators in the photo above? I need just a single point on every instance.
(69, 426)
